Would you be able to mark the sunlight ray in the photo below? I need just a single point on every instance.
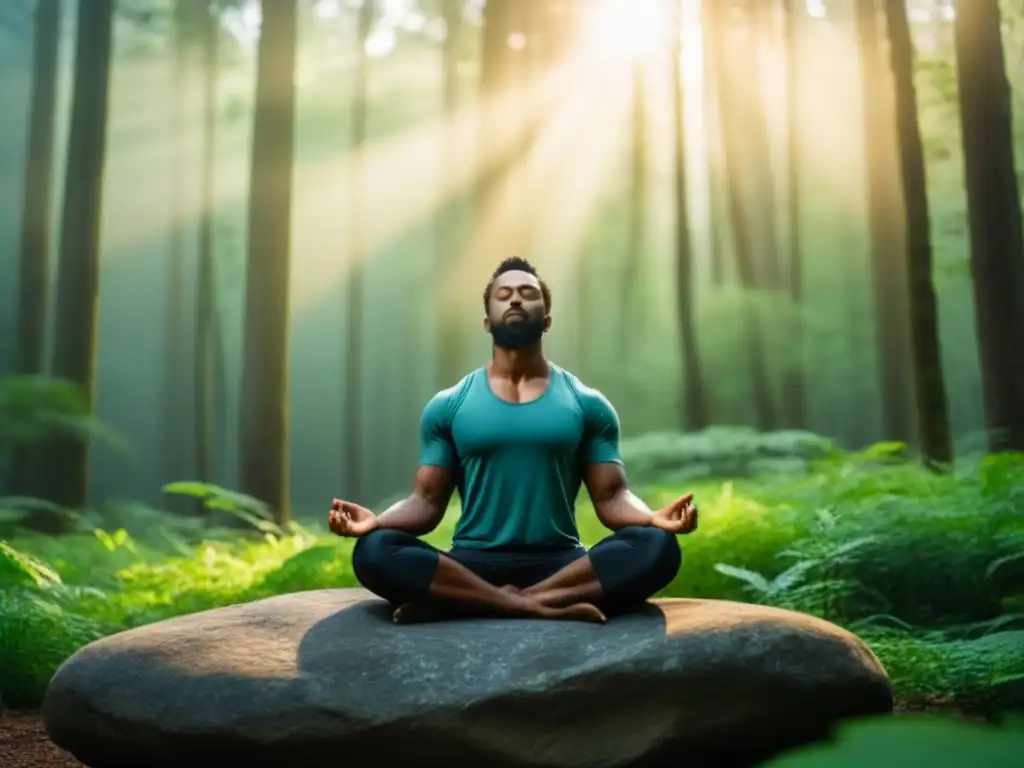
(495, 236)
(399, 171)
(400, 181)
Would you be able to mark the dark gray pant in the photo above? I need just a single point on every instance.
(631, 565)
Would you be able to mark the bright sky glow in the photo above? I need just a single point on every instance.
(816, 9)
(626, 28)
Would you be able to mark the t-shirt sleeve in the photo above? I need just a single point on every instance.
(601, 429)
(436, 445)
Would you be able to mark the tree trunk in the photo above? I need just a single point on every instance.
(887, 228)
(794, 389)
(175, 332)
(993, 204)
(35, 225)
(758, 146)
(353, 437)
(717, 219)
(930, 387)
(733, 141)
(209, 344)
(694, 406)
(449, 327)
(495, 81)
(636, 241)
(78, 271)
(264, 439)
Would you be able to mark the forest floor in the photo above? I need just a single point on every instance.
(24, 742)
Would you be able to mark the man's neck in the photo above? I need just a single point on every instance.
(518, 364)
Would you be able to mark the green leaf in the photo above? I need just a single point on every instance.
(752, 578)
(27, 566)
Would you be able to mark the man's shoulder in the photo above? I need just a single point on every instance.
(444, 402)
(586, 394)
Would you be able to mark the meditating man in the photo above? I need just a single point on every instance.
(516, 437)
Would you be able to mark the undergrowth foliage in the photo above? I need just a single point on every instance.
(928, 568)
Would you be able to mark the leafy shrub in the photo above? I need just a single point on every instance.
(719, 452)
(866, 540)
(34, 409)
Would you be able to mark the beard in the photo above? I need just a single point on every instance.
(519, 334)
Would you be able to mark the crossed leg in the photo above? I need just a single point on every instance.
(619, 573)
(421, 581)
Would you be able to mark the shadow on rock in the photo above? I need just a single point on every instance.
(313, 678)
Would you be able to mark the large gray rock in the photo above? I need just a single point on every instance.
(326, 679)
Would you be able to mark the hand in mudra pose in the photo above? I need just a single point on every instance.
(348, 519)
(518, 437)
(680, 516)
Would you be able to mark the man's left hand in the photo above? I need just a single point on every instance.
(680, 516)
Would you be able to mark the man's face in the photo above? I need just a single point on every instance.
(516, 300)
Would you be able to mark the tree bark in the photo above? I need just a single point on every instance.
(694, 406)
(353, 437)
(445, 226)
(758, 146)
(175, 378)
(994, 209)
(930, 388)
(718, 221)
(33, 275)
(78, 271)
(496, 79)
(636, 239)
(264, 436)
(209, 345)
(887, 231)
(794, 389)
(35, 225)
(733, 140)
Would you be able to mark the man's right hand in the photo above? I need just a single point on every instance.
(348, 519)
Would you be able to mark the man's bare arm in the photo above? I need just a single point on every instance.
(422, 511)
(616, 506)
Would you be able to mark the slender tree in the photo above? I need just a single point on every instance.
(176, 332)
(794, 390)
(35, 225)
(733, 142)
(694, 406)
(993, 204)
(887, 231)
(263, 435)
(936, 441)
(757, 145)
(353, 437)
(446, 221)
(717, 219)
(636, 239)
(209, 385)
(78, 267)
(496, 80)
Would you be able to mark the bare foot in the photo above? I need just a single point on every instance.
(414, 613)
(417, 613)
(577, 612)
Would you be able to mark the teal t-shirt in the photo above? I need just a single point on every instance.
(519, 465)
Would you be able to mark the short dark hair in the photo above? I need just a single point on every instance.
(517, 264)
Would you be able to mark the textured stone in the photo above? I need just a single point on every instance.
(325, 678)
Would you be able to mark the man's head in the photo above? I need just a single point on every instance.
(517, 305)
